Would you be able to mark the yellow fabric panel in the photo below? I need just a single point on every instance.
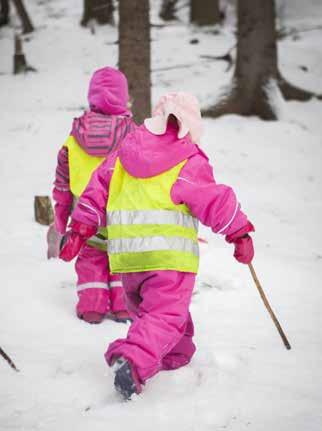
(131, 193)
(142, 230)
(153, 261)
(81, 166)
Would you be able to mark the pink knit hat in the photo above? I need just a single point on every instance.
(108, 92)
(184, 107)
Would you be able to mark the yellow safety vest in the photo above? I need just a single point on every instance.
(81, 166)
(146, 230)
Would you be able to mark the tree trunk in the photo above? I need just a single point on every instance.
(256, 65)
(19, 60)
(256, 56)
(20, 64)
(168, 10)
(22, 12)
(134, 54)
(43, 210)
(204, 12)
(4, 12)
(99, 10)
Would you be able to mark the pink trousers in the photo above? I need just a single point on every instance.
(98, 290)
(160, 337)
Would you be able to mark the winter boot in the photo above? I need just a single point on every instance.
(93, 304)
(121, 316)
(92, 317)
(126, 381)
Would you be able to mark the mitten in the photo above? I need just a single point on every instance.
(74, 239)
(244, 248)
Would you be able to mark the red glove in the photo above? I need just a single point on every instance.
(74, 239)
(244, 249)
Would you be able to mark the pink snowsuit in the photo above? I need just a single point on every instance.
(99, 132)
(160, 336)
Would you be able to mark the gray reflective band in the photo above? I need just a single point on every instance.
(97, 240)
(152, 243)
(151, 217)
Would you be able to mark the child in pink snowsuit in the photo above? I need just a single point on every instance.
(165, 148)
(95, 135)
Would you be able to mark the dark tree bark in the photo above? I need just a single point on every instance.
(256, 65)
(4, 12)
(205, 12)
(23, 14)
(99, 10)
(168, 10)
(134, 54)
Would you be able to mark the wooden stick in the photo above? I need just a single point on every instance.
(268, 307)
(8, 359)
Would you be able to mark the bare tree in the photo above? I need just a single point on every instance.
(4, 12)
(168, 10)
(256, 66)
(99, 10)
(23, 14)
(204, 12)
(134, 53)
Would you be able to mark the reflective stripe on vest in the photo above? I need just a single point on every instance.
(152, 216)
(81, 166)
(146, 230)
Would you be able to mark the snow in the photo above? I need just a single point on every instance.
(241, 377)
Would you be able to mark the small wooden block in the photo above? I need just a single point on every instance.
(44, 213)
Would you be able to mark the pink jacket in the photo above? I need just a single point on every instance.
(143, 155)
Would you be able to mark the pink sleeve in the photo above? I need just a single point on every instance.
(215, 205)
(91, 207)
(61, 194)
(62, 171)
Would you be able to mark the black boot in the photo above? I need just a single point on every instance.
(125, 381)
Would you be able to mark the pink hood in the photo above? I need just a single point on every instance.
(144, 154)
(108, 92)
(99, 134)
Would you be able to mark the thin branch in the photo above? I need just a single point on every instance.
(8, 359)
(177, 66)
(283, 33)
(226, 57)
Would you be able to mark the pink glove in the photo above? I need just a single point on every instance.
(74, 239)
(53, 240)
(244, 249)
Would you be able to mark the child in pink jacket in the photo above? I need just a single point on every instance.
(95, 135)
(160, 337)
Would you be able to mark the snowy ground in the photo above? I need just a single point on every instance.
(241, 377)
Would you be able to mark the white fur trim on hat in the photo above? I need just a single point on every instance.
(184, 107)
